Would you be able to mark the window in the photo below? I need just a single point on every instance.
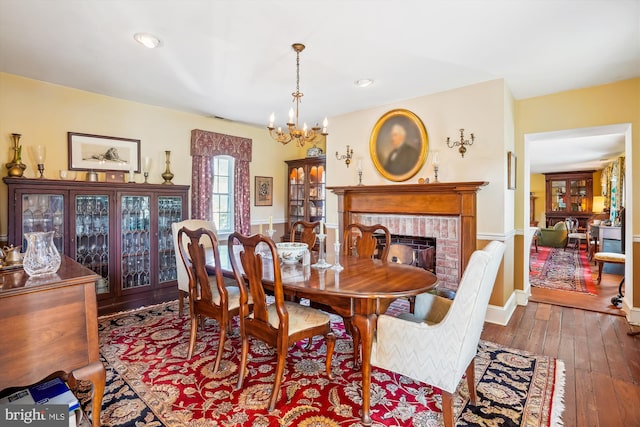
(222, 198)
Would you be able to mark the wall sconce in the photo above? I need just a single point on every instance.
(461, 143)
(347, 157)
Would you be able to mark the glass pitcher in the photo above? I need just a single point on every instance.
(42, 256)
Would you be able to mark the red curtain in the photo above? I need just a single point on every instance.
(205, 145)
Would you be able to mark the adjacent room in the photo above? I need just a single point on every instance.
(319, 213)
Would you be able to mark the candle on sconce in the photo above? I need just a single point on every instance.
(359, 164)
(270, 222)
(272, 119)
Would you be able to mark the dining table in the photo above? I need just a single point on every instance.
(359, 292)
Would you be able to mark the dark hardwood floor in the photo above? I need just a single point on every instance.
(602, 386)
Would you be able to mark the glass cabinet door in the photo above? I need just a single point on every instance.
(558, 193)
(169, 211)
(135, 217)
(43, 212)
(578, 195)
(296, 195)
(316, 193)
(92, 236)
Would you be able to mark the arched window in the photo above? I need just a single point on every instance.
(205, 146)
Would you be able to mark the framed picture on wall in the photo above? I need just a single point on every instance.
(103, 153)
(511, 170)
(398, 145)
(264, 191)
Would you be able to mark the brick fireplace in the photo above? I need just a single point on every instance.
(444, 211)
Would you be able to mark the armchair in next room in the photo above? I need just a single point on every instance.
(555, 236)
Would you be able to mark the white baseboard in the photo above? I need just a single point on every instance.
(501, 314)
(633, 313)
(522, 297)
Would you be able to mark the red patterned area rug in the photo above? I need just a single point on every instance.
(567, 270)
(150, 382)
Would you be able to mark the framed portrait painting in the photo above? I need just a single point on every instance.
(398, 145)
(103, 153)
(264, 191)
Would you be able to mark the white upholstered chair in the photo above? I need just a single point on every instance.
(438, 343)
(183, 278)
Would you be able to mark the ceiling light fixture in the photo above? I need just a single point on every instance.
(147, 40)
(304, 135)
(363, 82)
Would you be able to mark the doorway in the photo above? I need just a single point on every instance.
(579, 149)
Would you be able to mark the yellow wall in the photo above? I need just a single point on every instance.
(614, 103)
(486, 109)
(539, 190)
(43, 113)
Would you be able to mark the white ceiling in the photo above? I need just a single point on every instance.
(232, 59)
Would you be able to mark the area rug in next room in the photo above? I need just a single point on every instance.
(557, 268)
(150, 382)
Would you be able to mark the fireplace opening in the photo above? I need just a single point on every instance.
(424, 248)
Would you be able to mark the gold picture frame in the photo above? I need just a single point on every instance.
(263, 191)
(512, 165)
(398, 145)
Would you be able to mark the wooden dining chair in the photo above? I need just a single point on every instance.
(305, 232)
(181, 272)
(360, 240)
(279, 324)
(208, 295)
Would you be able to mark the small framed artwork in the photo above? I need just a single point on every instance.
(398, 145)
(511, 170)
(103, 153)
(264, 191)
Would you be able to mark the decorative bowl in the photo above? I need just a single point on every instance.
(67, 175)
(291, 252)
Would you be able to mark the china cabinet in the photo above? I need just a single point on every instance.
(569, 194)
(306, 191)
(121, 231)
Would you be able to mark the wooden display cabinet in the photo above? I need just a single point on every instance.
(121, 231)
(569, 194)
(306, 191)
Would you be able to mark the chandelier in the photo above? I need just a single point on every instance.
(294, 133)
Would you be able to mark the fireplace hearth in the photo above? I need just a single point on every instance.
(445, 212)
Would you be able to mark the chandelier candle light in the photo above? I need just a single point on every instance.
(304, 135)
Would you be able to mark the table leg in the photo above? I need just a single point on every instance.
(366, 325)
(95, 373)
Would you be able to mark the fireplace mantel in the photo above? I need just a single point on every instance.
(441, 199)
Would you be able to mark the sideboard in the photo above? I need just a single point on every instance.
(49, 326)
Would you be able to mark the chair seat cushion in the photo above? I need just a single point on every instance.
(609, 257)
(581, 236)
(300, 317)
(429, 308)
(233, 293)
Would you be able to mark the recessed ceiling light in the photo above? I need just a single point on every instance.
(363, 82)
(147, 40)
